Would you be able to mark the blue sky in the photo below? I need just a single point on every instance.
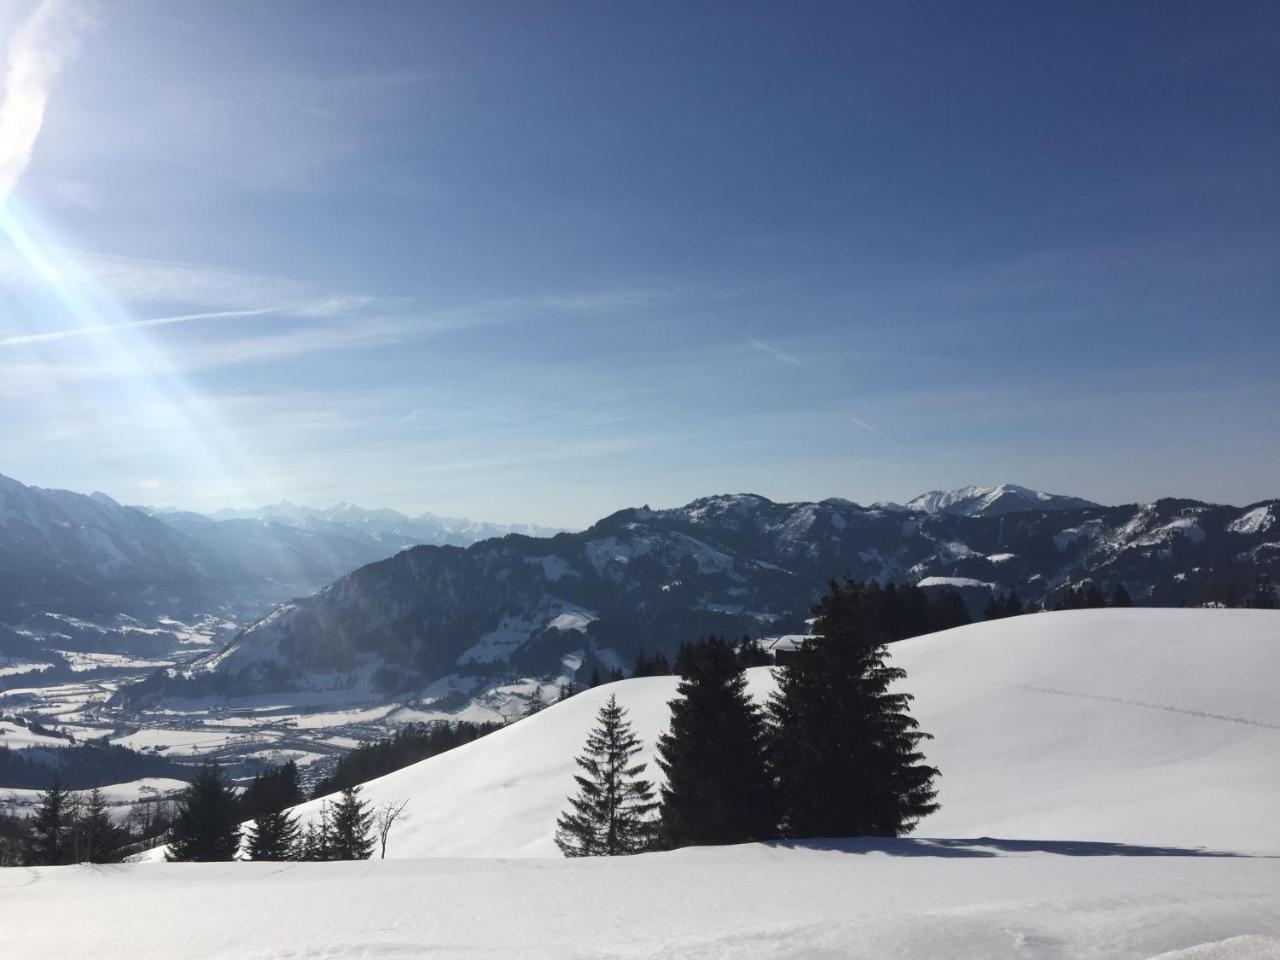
(538, 261)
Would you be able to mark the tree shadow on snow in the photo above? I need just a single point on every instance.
(995, 847)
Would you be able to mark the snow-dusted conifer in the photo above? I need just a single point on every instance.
(612, 815)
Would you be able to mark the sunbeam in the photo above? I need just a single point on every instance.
(113, 375)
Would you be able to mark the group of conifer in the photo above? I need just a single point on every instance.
(834, 753)
(208, 823)
(69, 828)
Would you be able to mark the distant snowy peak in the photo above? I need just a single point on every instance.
(992, 501)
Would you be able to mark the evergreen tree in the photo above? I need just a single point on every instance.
(994, 609)
(536, 703)
(51, 826)
(718, 787)
(207, 826)
(567, 690)
(1120, 597)
(845, 749)
(947, 611)
(750, 654)
(314, 842)
(1263, 596)
(1093, 597)
(612, 813)
(274, 836)
(1003, 605)
(275, 789)
(100, 840)
(350, 828)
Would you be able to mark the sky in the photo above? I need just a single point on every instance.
(538, 261)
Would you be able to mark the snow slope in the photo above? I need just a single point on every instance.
(1133, 726)
(892, 900)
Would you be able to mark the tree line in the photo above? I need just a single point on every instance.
(76, 827)
(410, 744)
(834, 752)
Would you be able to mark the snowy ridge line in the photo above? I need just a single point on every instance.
(1150, 706)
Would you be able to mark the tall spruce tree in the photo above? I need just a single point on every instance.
(274, 836)
(51, 826)
(845, 748)
(718, 788)
(350, 828)
(207, 826)
(612, 815)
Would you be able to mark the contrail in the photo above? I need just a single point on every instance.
(54, 335)
(868, 427)
(775, 352)
(39, 47)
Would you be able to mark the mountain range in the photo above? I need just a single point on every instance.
(642, 580)
(90, 556)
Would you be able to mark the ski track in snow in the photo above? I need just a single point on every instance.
(1149, 706)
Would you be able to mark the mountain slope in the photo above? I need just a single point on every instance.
(89, 555)
(647, 579)
(1125, 726)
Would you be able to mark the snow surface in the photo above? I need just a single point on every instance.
(1257, 520)
(1129, 726)
(885, 900)
(955, 582)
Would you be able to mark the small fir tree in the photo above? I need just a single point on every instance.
(612, 813)
(274, 836)
(350, 827)
(207, 826)
(844, 747)
(718, 788)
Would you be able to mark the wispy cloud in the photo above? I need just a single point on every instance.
(42, 43)
(866, 426)
(774, 352)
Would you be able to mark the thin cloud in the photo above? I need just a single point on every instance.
(868, 427)
(37, 51)
(776, 353)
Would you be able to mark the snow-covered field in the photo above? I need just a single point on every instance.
(898, 900)
(1126, 761)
